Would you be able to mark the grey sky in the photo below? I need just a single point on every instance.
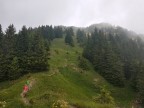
(126, 13)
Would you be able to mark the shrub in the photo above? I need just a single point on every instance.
(56, 51)
(104, 97)
(2, 104)
(83, 63)
(60, 104)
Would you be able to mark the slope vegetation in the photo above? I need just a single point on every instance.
(64, 82)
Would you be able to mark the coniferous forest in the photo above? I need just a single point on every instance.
(25, 51)
(115, 53)
(118, 56)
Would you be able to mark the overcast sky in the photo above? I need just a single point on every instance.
(126, 13)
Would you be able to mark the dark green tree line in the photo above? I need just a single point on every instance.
(25, 51)
(113, 53)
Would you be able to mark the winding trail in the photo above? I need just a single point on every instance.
(25, 99)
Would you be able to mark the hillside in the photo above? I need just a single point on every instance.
(64, 81)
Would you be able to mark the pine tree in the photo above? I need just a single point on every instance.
(1, 34)
(22, 41)
(9, 51)
(71, 31)
(140, 82)
(2, 72)
(14, 70)
(38, 56)
(81, 37)
(114, 69)
(58, 32)
(9, 40)
(51, 33)
(68, 37)
(83, 63)
(22, 44)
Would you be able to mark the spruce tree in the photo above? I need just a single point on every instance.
(1, 34)
(2, 72)
(15, 71)
(38, 56)
(22, 43)
(69, 38)
(81, 37)
(58, 32)
(9, 52)
(140, 82)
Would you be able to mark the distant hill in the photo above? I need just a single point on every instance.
(106, 27)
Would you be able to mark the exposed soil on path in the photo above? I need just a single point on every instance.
(24, 98)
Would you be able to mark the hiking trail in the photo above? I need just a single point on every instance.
(25, 99)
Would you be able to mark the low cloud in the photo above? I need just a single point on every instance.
(126, 13)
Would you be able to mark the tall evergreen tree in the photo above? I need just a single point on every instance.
(9, 39)
(58, 32)
(81, 37)
(1, 33)
(2, 72)
(9, 52)
(22, 41)
(71, 31)
(68, 37)
(51, 33)
(38, 56)
(140, 82)
(15, 70)
(22, 44)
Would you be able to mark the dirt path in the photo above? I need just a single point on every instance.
(32, 82)
(54, 71)
(51, 74)
(25, 99)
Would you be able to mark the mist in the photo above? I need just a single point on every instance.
(126, 13)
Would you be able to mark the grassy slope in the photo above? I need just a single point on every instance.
(68, 83)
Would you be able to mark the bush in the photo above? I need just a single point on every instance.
(2, 104)
(60, 104)
(104, 97)
(56, 51)
(83, 63)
